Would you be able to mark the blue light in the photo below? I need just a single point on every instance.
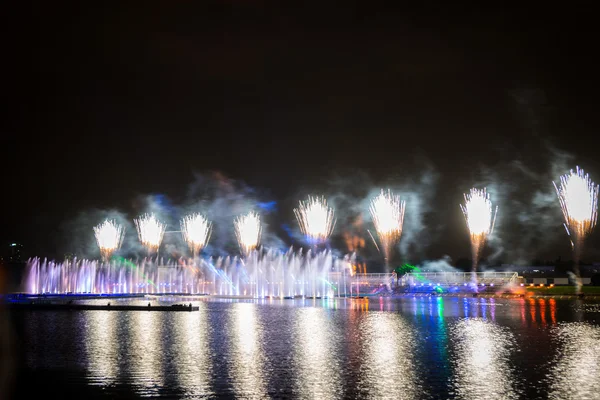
(268, 206)
(287, 230)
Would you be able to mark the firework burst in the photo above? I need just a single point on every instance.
(480, 217)
(578, 197)
(196, 231)
(316, 218)
(150, 231)
(387, 211)
(109, 236)
(248, 231)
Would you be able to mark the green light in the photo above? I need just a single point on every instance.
(408, 268)
(330, 284)
(131, 265)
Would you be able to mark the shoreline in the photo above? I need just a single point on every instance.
(502, 296)
(15, 298)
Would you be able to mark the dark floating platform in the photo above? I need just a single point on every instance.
(84, 296)
(103, 307)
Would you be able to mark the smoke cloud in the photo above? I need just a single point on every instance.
(351, 196)
(77, 235)
(444, 264)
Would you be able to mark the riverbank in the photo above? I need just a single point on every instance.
(528, 295)
(563, 290)
(558, 292)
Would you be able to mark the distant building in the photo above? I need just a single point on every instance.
(12, 267)
(526, 269)
(15, 254)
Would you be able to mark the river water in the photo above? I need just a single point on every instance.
(407, 348)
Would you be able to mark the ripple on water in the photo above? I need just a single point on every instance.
(422, 348)
(481, 363)
(575, 370)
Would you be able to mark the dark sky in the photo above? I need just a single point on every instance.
(108, 104)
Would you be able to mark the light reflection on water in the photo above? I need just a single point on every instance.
(388, 348)
(316, 360)
(482, 360)
(412, 348)
(192, 357)
(575, 370)
(146, 352)
(248, 358)
(101, 348)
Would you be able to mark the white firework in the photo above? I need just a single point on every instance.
(248, 230)
(109, 236)
(387, 211)
(196, 231)
(578, 197)
(480, 217)
(150, 231)
(316, 218)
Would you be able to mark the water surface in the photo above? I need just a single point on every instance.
(409, 348)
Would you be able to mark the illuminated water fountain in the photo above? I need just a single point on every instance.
(260, 274)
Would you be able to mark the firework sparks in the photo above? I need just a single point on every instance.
(480, 218)
(109, 236)
(150, 231)
(578, 197)
(316, 218)
(248, 231)
(196, 231)
(387, 211)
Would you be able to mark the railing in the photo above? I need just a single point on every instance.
(359, 284)
(458, 278)
(369, 279)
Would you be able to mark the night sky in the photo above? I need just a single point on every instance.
(108, 105)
